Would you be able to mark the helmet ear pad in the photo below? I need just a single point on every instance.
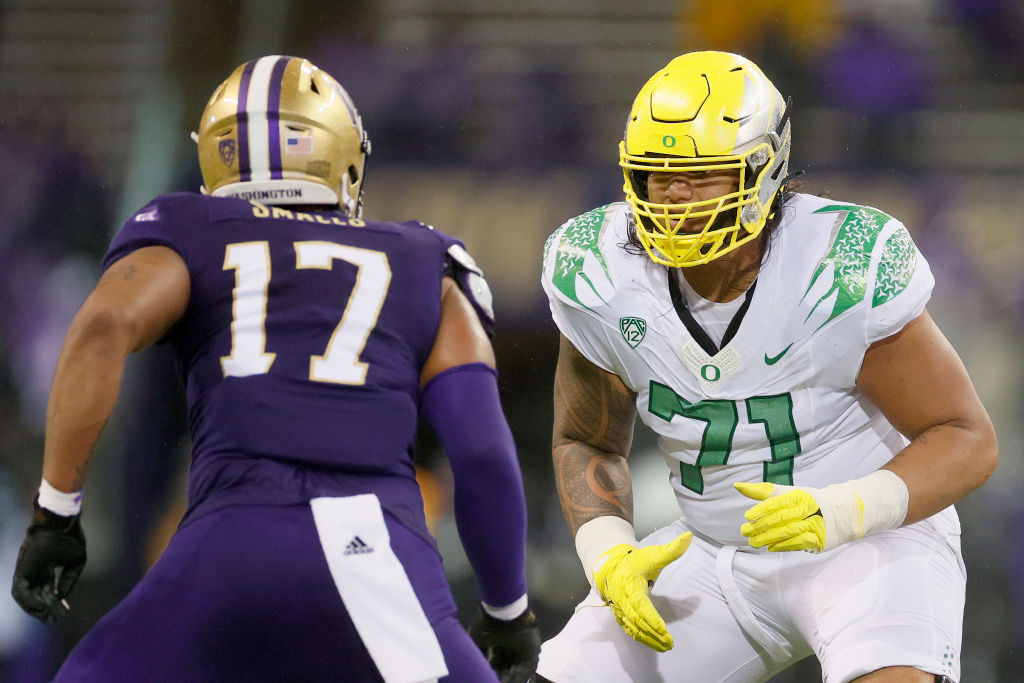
(281, 131)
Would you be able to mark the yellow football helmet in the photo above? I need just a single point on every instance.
(281, 131)
(705, 111)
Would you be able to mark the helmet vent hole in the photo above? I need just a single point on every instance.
(353, 174)
(312, 86)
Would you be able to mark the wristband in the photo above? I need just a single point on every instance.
(508, 612)
(597, 536)
(58, 502)
(854, 509)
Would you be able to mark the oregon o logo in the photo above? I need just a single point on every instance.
(668, 141)
(710, 373)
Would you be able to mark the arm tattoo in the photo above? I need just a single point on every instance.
(592, 484)
(594, 414)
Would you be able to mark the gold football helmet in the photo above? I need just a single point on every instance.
(705, 111)
(281, 131)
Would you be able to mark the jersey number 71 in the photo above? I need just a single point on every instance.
(722, 416)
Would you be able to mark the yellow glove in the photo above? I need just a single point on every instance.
(806, 518)
(788, 519)
(622, 575)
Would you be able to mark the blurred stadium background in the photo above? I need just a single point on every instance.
(496, 122)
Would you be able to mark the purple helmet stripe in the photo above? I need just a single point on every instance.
(243, 123)
(274, 117)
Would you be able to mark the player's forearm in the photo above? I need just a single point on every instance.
(82, 398)
(490, 514)
(594, 413)
(591, 483)
(463, 408)
(945, 463)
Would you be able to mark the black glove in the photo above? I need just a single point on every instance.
(49, 562)
(511, 647)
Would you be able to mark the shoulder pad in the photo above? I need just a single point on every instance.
(862, 236)
(896, 267)
(461, 267)
(418, 224)
(574, 265)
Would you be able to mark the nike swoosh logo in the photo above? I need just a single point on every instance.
(775, 359)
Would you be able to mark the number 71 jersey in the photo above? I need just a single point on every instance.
(306, 332)
(779, 402)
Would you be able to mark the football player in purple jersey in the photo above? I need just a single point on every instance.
(311, 342)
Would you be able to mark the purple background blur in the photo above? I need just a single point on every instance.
(496, 122)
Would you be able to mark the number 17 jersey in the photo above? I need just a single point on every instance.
(779, 401)
(302, 345)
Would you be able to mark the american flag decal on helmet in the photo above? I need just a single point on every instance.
(298, 144)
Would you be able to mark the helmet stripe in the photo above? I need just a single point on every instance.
(242, 117)
(351, 109)
(256, 103)
(274, 117)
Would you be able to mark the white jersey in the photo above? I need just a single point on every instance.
(779, 402)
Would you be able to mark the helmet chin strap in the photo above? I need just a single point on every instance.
(349, 204)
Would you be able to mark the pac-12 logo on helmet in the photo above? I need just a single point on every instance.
(281, 131)
(705, 111)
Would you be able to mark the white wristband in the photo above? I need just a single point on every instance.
(859, 507)
(508, 612)
(58, 502)
(597, 536)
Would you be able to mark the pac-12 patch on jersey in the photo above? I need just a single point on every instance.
(633, 330)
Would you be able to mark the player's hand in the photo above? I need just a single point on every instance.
(788, 518)
(511, 647)
(49, 562)
(623, 580)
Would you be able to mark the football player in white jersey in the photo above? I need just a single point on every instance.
(778, 344)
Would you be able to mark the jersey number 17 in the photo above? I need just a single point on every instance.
(340, 362)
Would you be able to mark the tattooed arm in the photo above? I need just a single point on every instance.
(919, 383)
(134, 304)
(593, 428)
(594, 414)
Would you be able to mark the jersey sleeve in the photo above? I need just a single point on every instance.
(870, 281)
(149, 226)
(902, 284)
(578, 283)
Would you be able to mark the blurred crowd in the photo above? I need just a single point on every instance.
(502, 170)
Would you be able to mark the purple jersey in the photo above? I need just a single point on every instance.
(302, 345)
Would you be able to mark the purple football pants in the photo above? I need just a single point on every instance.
(244, 594)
